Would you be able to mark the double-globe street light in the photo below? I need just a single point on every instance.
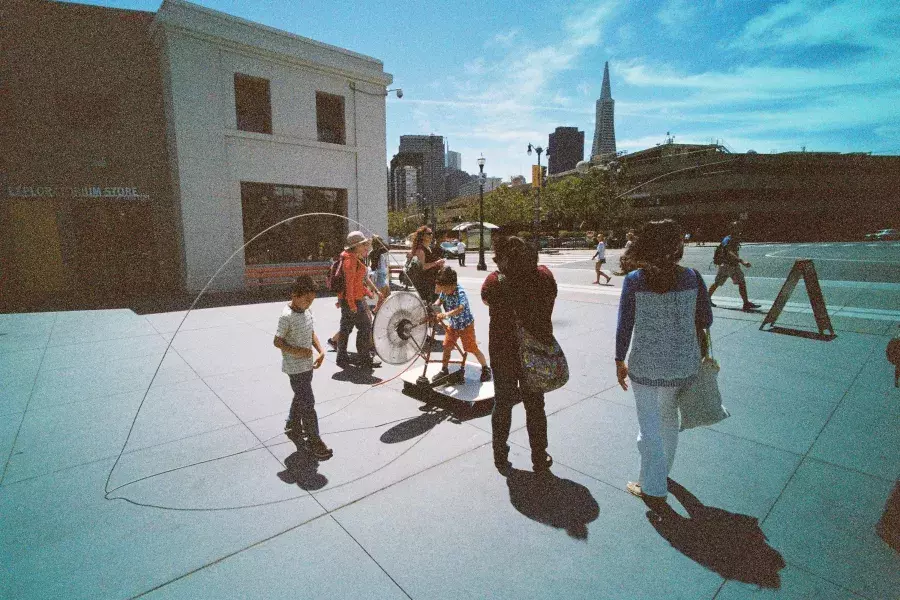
(482, 266)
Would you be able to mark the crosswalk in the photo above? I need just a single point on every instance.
(565, 257)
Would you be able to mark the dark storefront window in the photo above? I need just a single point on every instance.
(253, 103)
(330, 118)
(303, 240)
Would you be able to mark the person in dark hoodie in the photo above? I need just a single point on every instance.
(520, 291)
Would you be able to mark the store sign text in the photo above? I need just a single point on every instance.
(90, 191)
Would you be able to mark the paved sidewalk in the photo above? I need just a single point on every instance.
(210, 500)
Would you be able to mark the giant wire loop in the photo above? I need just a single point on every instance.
(263, 444)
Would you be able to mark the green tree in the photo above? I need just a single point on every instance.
(506, 206)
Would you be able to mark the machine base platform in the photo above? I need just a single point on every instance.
(469, 391)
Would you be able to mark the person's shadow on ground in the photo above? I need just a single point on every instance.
(412, 428)
(547, 499)
(731, 544)
(301, 469)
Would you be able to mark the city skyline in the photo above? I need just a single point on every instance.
(766, 76)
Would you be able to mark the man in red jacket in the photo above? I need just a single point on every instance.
(353, 304)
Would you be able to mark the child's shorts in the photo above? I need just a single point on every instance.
(467, 336)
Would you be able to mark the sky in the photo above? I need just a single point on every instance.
(492, 77)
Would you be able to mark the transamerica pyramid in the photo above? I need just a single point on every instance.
(605, 128)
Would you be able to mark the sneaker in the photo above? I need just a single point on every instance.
(320, 450)
(443, 373)
(332, 347)
(750, 306)
(486, 374)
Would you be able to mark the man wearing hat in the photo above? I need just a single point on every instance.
(353, 303)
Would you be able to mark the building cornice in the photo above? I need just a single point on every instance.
(273, 44)
(289, 140)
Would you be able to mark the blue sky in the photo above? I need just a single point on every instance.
(493, 76)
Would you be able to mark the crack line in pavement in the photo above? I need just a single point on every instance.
(805, 455)
(37, 374)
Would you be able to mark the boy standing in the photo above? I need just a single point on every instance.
(462, 324)
(296, 339)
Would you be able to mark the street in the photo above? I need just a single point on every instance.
(860, 279)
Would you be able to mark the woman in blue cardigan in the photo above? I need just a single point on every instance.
(663, 314)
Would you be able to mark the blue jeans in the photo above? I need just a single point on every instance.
(303, 408)
(360, 320)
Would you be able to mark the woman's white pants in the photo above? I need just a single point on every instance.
(657, 438)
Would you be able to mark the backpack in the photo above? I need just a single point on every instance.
(335, 278)
(719, 254)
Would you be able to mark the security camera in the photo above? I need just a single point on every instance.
(399, 93)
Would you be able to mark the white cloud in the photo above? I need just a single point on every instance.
(475, 67)
(677, 15)
(505, 40)
(804, 23)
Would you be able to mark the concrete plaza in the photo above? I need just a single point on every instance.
(209, 499)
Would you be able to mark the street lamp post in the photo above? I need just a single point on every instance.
(537, 201)
(482, 266)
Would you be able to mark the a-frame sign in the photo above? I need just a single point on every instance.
(802, 268)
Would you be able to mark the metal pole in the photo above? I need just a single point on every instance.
(537, 203)
(482, 266)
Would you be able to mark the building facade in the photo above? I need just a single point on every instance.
(265, 125)
(789, 196)
(605, 128)
(175, 138)
(474, 187)
(405, 189)
(454, 161)
(431, 149)
(565, 150)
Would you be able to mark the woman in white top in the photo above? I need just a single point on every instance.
(600, 258)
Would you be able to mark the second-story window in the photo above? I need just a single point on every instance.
(253, 103)
(330, 118)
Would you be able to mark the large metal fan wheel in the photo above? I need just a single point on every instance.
(400, 328)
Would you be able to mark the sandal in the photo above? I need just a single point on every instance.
(634, 489)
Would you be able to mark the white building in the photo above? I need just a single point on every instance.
(263, 125)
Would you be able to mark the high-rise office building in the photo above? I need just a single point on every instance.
(605, 129)
(454, 160)
(566, 149)
(431, 149)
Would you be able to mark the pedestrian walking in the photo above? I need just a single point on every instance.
(727, 257)
(296, 338)
(518, 292)
(599, 259)
(354, 312)
(664, 313)
(461, 252)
